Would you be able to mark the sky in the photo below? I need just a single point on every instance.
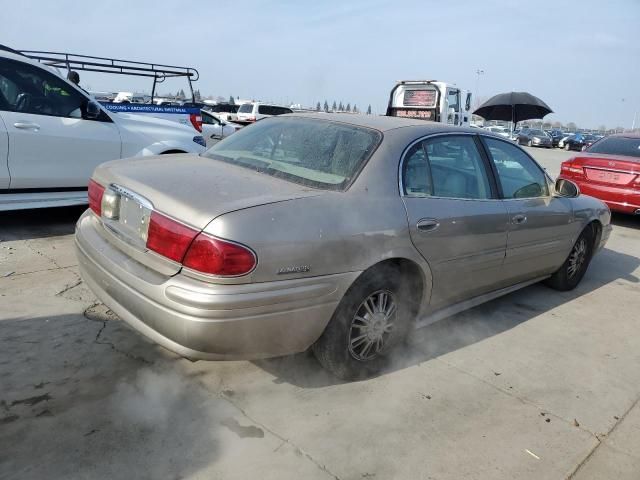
(582, 57)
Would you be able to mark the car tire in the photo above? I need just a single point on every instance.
(529, 143)
(342, 348)
(567, 147)
(568, 276)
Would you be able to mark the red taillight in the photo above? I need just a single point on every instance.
(198, 251)
(95, 192)
(168, 237)
(251, 119)
(570, 169)
(212, 255)
(196, 121)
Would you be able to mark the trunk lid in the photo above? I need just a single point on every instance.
(194, 189)
(190, 189)
(609, 169)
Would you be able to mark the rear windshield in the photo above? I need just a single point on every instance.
(537, 132)
(317, 153)
(246, 108)
(627, 146)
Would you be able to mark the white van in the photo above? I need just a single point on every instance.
(252, 112)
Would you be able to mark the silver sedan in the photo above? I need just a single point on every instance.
(337, 232)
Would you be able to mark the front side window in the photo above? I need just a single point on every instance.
(317, 153)
(519, 175)
(446, 167)
(28, 89)
(209, 119)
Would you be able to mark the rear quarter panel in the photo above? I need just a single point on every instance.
(334, 232)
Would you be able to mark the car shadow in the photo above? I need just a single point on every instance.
(623, 220)
(469, 327)
(83, 397)
(39, 223)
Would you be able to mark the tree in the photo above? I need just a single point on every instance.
(369, 110)
(340, 107)
(318, 107)
(181, 93)
(326, 106)
(571, 127)
(348, 108)
(355, 109)
(557, 124)
(231, 100)
(334, 107)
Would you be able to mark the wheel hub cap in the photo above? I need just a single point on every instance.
(372, 325)
(577, 258)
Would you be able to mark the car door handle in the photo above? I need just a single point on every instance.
(427, 225)
(519, 219)
(27, 125)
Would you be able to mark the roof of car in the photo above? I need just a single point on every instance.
(626, 135)
(381, 122)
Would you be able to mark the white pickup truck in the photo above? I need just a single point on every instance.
(53, 135)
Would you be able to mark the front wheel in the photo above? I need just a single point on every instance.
(567, 147)
(568, 276)
(529, 143)
(374, 316)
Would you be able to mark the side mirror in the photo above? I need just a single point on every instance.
(92, 110)
(566, 188)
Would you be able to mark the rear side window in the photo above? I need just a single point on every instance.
(28, 89)
(265, 109)
(446, 167)
(246, 108)
(627, 146)
(519, 175)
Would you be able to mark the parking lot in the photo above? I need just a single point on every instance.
(539, 384)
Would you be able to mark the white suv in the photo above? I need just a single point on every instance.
(53, 135)
(252, 112)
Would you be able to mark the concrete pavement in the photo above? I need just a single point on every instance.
(537, 384)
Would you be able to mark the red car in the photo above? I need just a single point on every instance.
(609, 170)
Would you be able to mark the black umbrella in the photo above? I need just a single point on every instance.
(513, 106)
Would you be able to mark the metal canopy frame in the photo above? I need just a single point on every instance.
(158, 72)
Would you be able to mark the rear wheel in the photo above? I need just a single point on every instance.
(568, 276)
(374, 316)
(567, 147)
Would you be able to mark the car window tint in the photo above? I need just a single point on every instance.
(28, 89)
(627, 146)
(456, 167)
(246, 108)
(264, 110)
(416, 178)
(519, 176)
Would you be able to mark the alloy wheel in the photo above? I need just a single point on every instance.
(372, 325)
(577, 258)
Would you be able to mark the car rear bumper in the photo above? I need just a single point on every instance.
(200, 320)
(623, 200)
